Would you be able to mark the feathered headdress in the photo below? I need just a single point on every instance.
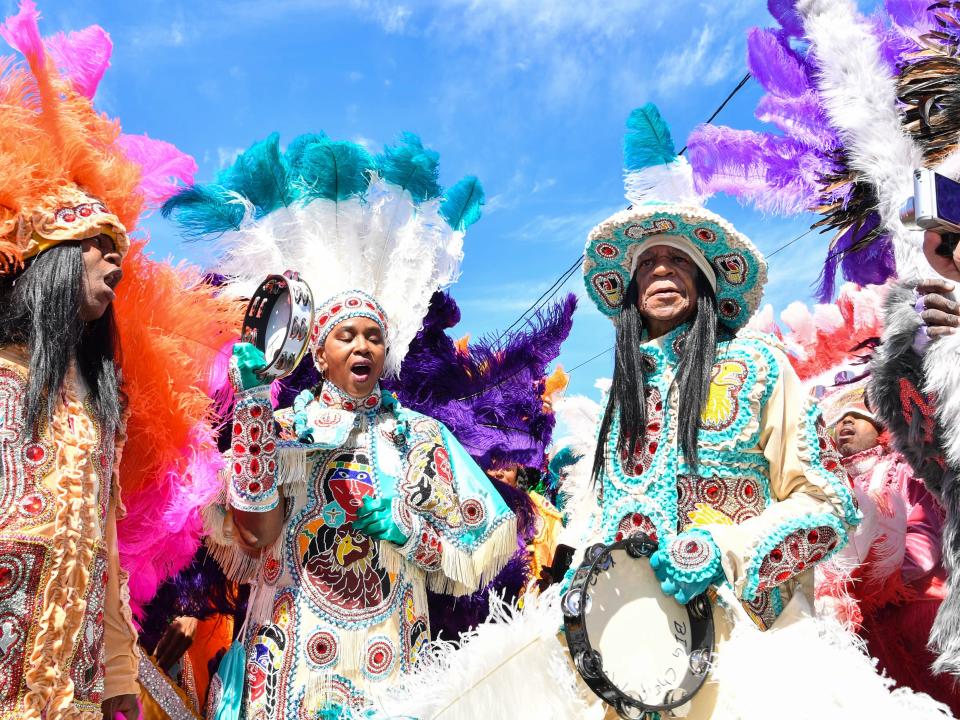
(490, 394)
(836, 83)
(665, 209)
(341, 217)
(829, 338)
(66, 172)
(57, 149)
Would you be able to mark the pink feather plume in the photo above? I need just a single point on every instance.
(165, 167)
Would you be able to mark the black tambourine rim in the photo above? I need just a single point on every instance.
(589, 662)
(293, 283)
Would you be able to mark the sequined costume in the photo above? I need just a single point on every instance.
(343, 615)
(66, 632)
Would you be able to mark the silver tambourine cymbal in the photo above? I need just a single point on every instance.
(278, 321)
(636, 648)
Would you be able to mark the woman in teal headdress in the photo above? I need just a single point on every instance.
(356, 505)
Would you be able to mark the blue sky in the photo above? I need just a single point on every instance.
(529, 95)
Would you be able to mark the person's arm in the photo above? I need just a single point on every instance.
(813, 503)
(923, 551)
(457, 528)
(897, 386)
(253, 492)
(120, 652)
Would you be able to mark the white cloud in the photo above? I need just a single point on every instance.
(562, 230)
(227, 155)
(701, 62)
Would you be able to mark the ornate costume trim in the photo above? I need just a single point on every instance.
(790, 549)
(343, 306)
(74, 547)
(253, 485)
(694, 555)
(817, 451)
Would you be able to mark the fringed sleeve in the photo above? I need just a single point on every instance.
(461, 532)
(812, 500)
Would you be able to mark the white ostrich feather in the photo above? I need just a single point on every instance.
(842, 680)
(513, 665)
(859, 96)
(670, 183)
(383, 244)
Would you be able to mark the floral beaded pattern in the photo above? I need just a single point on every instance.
(348, 610)
(253, 484)
(424, 547)
(798, 551)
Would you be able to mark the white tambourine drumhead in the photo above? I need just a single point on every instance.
(644, 637)
(276, 333)
(278, 321)
(636, 648)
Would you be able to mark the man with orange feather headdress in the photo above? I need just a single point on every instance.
(72, 188)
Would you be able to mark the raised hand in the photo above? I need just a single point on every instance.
(244, 364)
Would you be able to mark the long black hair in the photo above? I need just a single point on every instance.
(40, 309)
(698, 350)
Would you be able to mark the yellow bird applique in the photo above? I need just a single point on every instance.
(726, 379)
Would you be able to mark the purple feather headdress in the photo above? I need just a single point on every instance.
(802, 165)
(490, 395)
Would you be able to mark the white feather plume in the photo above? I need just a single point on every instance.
(513, 665)
(859, 95)
(383, 244)
(670, 183)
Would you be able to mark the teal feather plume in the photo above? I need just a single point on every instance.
(411, 166)
(648, 141)
(204, 210)
(461, 203)
(260, 175)
(329, 170)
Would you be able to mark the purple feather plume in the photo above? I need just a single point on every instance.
(863, 260)
(775, 173)
(785, 12)
(775, 65)
(490, 397)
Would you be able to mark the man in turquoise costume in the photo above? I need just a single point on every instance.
(709, 443)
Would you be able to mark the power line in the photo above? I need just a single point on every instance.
(550, 291)
(738, 88)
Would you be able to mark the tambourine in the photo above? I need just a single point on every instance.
(639, 650)
(278, 321)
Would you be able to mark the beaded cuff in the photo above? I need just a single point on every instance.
(694, 555)
(253, 484)
(795, 553)
(424, 546)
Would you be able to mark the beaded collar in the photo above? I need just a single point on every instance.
(667, 346)
(334, 397)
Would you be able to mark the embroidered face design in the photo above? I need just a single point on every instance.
(610, 287)
(732, 266)
(349, 483)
